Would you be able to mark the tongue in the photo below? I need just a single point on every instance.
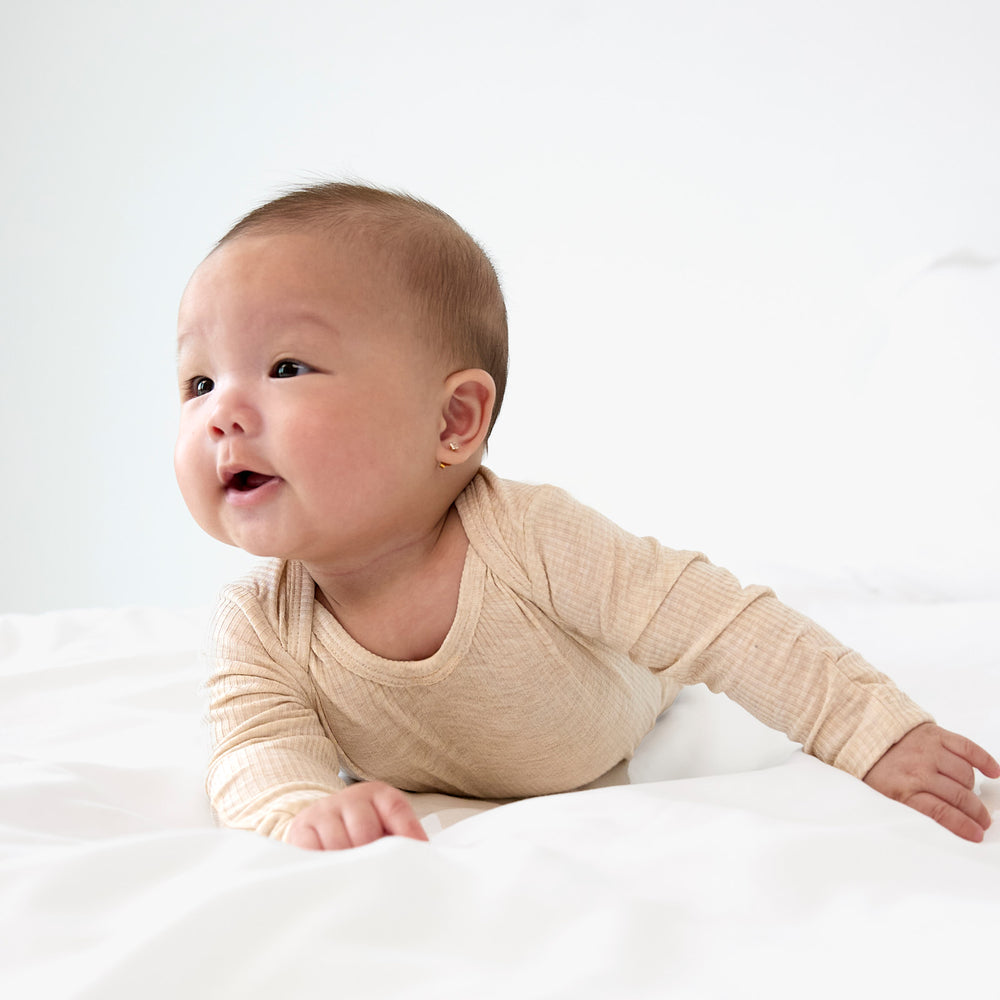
(254, 479)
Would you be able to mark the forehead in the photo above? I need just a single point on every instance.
(278, 270)
(271, 283)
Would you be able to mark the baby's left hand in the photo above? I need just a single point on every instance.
(931, 770)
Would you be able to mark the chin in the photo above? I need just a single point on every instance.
(260, 548)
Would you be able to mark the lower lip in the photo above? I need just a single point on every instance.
(249, 498)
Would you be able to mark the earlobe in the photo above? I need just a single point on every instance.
(465, 415)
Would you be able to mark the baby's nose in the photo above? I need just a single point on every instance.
(222, 428)
(231, 415)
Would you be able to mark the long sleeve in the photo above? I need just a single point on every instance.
(676, 613)
(271, 755)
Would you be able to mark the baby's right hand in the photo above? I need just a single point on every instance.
(357, 815)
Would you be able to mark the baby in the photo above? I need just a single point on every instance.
(423, 625)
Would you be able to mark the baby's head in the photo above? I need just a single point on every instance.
(412, 243)
(342, 356)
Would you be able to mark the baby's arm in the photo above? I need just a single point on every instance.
(932, 770)
(356, 816)
(274, 767)
(274, 770)
(270, 756)
(674, 612)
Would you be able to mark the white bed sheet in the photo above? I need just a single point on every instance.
(732, 865)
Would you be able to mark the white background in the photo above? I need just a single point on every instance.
(750, 252)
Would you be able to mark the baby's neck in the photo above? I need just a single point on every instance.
(401, 605)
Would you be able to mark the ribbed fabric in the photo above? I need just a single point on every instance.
(571, 636)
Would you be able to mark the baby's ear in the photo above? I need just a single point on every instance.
(465, 416)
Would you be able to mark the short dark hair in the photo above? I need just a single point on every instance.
(433, 257)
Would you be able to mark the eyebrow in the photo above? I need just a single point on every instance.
(310, 317)
(296, 316)
(181, 337)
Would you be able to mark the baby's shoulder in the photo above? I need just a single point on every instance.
(263, 584)
(271, 604)
(511, 525)
(506, 505)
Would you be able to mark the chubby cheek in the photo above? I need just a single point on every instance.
(344, 475)
(195, 476)
(314, 459)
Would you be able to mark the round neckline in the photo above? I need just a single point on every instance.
(362, 661)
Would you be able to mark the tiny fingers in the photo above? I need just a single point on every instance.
(333, 833)
(954, 806)
(957, 820)
(355, 816)
(933, 771)
(971, 752)
(320, 831)
(304, 836)
(397, 814)
(362, 823)
(965, 800)
(958, 769)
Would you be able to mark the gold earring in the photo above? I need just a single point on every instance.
(445, 465)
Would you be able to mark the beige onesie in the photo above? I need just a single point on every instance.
(571, 636)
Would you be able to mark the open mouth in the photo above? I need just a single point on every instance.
(247, 481)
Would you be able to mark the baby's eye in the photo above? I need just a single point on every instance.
(199, 385)
(289, 369)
